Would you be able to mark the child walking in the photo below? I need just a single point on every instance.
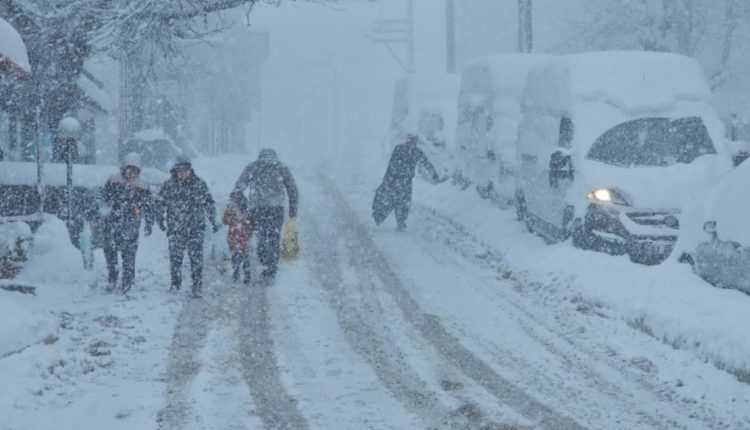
(238, 237)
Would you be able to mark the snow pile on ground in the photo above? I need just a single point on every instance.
(74, 356)
(667, 301)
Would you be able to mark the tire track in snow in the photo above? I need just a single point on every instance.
(260, 369)
(367, 259)
(575, 354)
(243, 313)
(189, 338)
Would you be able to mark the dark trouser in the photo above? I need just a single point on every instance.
(267, 222)
(127, 247)
(241, 260)
(395, 197)
(193, 244)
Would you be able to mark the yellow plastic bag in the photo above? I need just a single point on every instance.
(290, 243)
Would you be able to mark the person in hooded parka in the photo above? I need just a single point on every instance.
(187, 204)
(126, 200)
(394, 192)
(266, 181)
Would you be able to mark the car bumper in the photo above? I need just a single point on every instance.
(618, 230)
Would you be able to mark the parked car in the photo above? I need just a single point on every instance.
(715, 233)
(426, 104)
(489, 110)
(157, 149)
(23, 202)
(612, 145)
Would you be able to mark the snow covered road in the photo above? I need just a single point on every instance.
(434, 328)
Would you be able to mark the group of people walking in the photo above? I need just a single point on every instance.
(184, 208)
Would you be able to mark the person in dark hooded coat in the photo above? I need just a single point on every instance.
(187, 204)
(126, 200)
(394, 193)
(267, 181)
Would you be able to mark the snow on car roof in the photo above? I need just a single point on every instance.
(12, 46)
(84, 175)
(507, 72)
(631, 80)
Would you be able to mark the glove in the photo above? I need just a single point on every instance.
(162, 227)
(147, 230)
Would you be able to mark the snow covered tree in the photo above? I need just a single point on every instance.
(62, 34)
(703, 29)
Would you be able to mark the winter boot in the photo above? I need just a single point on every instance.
(126, 286)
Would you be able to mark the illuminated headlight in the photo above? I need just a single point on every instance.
(608, 195)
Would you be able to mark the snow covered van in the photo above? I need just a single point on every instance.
(425, 104)
(612, 145)
(489, 110)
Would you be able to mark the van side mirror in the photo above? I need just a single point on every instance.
(560, 168)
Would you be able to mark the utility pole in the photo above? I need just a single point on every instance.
(450, 35)
(398, 31)
(525, 33)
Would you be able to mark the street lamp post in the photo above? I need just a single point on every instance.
(69, 129)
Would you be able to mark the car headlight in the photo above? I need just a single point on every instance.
(608, 195)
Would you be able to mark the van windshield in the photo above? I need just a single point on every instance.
(653, 142)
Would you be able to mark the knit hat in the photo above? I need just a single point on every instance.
(182, 161)
(132, 159)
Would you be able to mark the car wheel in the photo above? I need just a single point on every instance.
(581, 237)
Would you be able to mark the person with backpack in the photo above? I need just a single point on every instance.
(240, 229)
(394, 192)
(187, 205)
(126, 200)
(267, 181)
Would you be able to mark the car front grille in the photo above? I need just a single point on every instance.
(655, 218)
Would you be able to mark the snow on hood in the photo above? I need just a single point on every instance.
(665, 188)
(12, 47)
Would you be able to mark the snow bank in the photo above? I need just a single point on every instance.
(667, 301)
(21, 326)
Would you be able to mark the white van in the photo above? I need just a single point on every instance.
(425, 104)
(489, 110)
(611, 146)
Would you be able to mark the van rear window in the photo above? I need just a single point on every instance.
(653, 142)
